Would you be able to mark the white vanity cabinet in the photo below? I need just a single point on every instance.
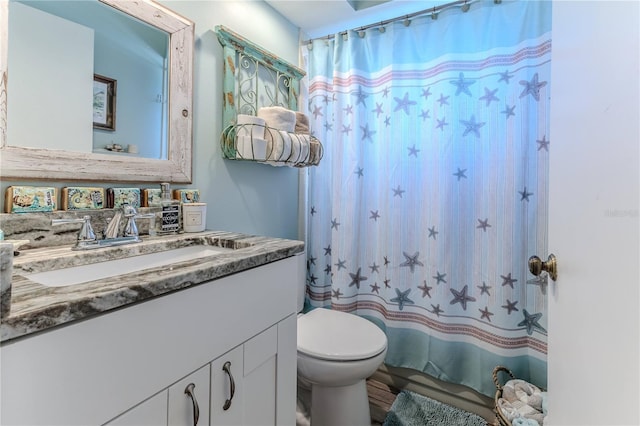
(131, 366)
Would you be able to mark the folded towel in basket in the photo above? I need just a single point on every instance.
(278, 118)
(302, 123)
(521, 421)
(525, 392)
(279, 121)
(508, 410)
(314, 151)
(521, 399)
(514, 409)
(279, 147)
(299, 148)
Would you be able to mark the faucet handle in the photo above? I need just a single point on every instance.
(129, 210)
(86, 231)
(131, 230)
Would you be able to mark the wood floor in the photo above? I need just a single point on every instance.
(381, 397)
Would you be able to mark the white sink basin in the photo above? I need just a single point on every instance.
(111, 268)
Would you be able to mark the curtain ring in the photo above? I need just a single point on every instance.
(434, 14)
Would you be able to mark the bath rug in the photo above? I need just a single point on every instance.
(411, 409)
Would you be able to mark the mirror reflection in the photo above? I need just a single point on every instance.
(59, 73)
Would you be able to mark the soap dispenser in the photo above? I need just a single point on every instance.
(169, 219)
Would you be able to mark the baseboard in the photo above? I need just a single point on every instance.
(456, 395)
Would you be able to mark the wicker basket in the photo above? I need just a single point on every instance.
(501, 419)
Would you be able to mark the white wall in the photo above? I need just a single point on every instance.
(48, 65)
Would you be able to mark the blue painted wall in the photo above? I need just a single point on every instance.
(243, 196)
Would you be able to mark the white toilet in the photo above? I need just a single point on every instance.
(337, 351)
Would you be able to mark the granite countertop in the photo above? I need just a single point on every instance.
(36, 308)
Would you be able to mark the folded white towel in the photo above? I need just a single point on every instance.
(250, 125)
(249, 148)
(299, 148)
(286, 145)
(278, 118)
(278, 147)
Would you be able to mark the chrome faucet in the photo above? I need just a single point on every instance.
(87, 237)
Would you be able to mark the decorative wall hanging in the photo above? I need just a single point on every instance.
(104, 102)
(257, 86)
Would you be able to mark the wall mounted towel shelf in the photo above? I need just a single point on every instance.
(255, 78)
(276, 148)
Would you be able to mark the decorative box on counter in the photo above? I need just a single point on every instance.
(151, 197)
(187, 195)
(117, 197)
(27, 199)
(82, 198)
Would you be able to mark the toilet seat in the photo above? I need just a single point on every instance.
(338, 336)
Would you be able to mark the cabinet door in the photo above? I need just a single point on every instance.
(247, 372)
(260, 388)
(286, 370)
(152, 412)
(227, 388)
(189, 399)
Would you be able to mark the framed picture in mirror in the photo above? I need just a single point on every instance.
(104, 102)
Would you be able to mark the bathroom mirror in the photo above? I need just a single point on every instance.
(29, 162)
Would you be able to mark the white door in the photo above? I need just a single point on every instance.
(593, 353)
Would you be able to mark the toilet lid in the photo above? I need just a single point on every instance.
(335, 335)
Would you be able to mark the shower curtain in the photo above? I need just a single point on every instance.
(432, 193)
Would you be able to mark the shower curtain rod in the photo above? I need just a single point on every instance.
(433, 11)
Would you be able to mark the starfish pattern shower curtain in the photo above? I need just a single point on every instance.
(432, 192)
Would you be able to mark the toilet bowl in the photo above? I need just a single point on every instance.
(337, 351)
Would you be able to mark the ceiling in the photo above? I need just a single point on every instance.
(318, 18)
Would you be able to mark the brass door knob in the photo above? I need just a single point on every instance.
(536, 266)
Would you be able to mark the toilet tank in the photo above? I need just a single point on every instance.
(302, 279)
